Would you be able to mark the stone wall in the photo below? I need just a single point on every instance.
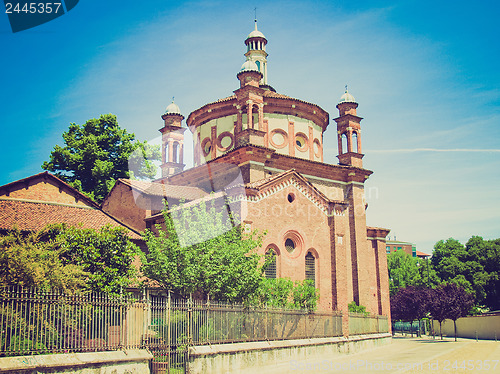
(285, 356)
(481, 327)
(132, 361)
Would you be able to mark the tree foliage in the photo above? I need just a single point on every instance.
(405, 270)
(409, 304)
(67, 258)
(106, 254)
(222, 267)
(30, 261)
(447, 301)
(475, 267)
(200, 250)
(355, 308)
(97, 153)
(284, 293)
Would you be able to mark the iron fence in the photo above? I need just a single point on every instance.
(360, 323)
(35, 321)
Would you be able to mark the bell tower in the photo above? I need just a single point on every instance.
(256, 52)
(172, 141)
(349, 131)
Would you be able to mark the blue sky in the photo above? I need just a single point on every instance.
(425, 75)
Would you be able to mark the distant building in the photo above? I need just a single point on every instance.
(410, 248)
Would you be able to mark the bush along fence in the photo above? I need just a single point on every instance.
(36, 322)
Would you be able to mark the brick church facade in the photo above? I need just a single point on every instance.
(265, 151)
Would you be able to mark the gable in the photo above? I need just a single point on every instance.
(267, 187)
(44, 187)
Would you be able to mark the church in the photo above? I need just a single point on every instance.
(263, 152)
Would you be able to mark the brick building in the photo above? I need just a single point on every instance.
(265, 150)
(31, 203)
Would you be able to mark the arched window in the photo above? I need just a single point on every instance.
(311, 267)
(355, 142)
(270, 271)
(344, 143)
(175, 149)
(258, 65)
(166, 152)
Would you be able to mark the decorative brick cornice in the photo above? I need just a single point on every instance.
(257, 192)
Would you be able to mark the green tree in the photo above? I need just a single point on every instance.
(99, 152)
(474, 267)
(106, 254)
(199, 250)
(30, 261)
(68, 258)
(403, 271)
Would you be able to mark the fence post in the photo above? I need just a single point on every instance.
(190, 318)
(169, 332)
(267, 321)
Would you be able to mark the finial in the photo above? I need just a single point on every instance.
(255, 10)
(346, 89)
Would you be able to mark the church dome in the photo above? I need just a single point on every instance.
(173, 108)
(249, 65)
(256, 34)
(347, 98)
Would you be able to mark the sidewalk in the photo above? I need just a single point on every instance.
(413, 355)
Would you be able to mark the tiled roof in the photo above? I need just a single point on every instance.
(422, 254)
(34, 216)
(166, 190)
(266, 93)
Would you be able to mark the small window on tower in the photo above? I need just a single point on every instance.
(355, 142)
(344, 143)
(175, 149)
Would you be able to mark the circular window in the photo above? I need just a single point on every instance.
(290, 197)
(301, 142)
(293, 243)
(225, 141)
(278, 138)
(206, 146)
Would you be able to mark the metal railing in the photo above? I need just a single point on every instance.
(360, 323)
(35, 321)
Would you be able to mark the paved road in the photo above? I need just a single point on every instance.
(414, 355)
